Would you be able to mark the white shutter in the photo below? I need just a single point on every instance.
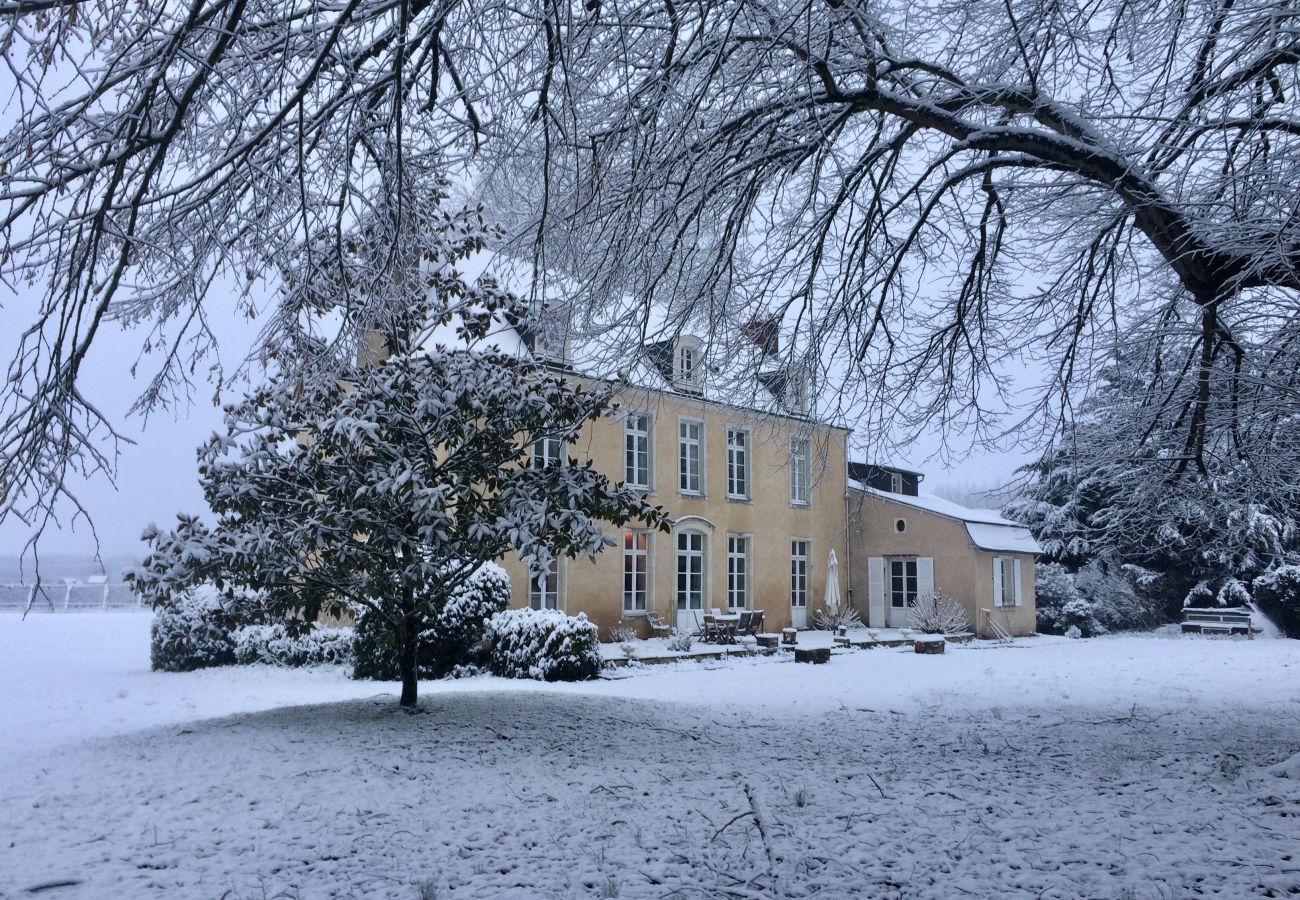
(1015, 565)
(997, 581)
(924, 575)
(876, 592)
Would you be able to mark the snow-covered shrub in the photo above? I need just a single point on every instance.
(1096, 599)
(1278, 595)
(681, 640)
(622, 634)
(273, 644)
(460, 626)
(1054, 589)
(846, 616)
(451, 639)
(191, 632)
(937, 613)
(544, 644)
(1073, 632)
(1117, 603)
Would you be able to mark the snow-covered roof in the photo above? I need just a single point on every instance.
(1002, 538)
(737, 371)
(931, 503)
(987, 529)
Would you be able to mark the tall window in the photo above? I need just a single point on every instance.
(738, 571)
(737, 463)
(544, 593)
(636, 569)
(1008, 583)
(547, 451)
(690, 453)
(798, 573)
(687, 366)
(636, 450)
(690, 570)
(895, 483)
(799, 456)
(902, 583)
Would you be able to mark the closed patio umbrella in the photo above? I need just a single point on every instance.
(832, 586)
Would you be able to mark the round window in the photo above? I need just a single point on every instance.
(900, 525)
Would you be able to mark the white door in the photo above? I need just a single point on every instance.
(690, 580)
(799, 584)
(900, 591)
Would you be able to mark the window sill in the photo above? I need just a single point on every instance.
(691, 495)
(739, 498)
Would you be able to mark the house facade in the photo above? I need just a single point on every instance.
(766, 509)
(756, 496)
(905, 544)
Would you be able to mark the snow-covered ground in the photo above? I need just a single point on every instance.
(1119, 767)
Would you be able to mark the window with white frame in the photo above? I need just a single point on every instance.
(800, 453)
(1006, 580)
(796, 391)
(544, 591)
(547, 451)
(690, 570)
(690, 456)
(902, 583)
(738, 571)
(738, 441)
(637, 429)
(636, 571)
(798, 572)
(688, 363)
(895, 483)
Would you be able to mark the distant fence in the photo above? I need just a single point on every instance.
(75, 596)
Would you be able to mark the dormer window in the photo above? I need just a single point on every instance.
(688, 363)
(896, 485)
(796, 391)
(551, 340)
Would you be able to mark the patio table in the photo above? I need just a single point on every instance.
(727, 625)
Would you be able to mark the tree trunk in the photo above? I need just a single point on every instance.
(408, 664)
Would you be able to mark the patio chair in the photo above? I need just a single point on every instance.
(658, 626)
(712, 632)
(756, 621)
(745, 625)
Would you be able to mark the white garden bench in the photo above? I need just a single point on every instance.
(1233, 620)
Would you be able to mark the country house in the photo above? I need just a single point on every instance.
(766, 504)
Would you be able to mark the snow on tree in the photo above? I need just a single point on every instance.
(936, 193)
(388, 489)
(1113, 502)
(940, 192)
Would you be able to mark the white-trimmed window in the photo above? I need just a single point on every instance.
(1006, 581)
(738, 441)
(903, 583)
(895, 483)
(547, 451)
(690, 456)
(688, 366)
(799, 553)
(796, 392)
(544, 590)
(800, 455)
(638, 429)
(738, 571)
(690, 570)
(636, 571)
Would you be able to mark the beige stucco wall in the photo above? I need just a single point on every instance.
(961, 570)
(595, 587)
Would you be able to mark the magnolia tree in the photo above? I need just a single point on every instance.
(387, 490)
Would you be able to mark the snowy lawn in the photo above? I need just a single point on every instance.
(1123, 767)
